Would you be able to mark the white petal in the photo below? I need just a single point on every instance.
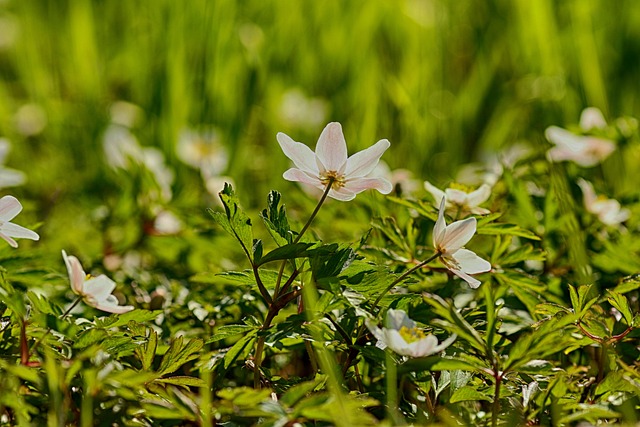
(471, 263)
(9, 240)
(110, 305)
(395, 342)
(359, 185)
(9, 208)
(332, 148)
(479, 196)
(300, 154)
(301, 176)
(457, 235)
(15, 230)
(592, 118)
(588, 193)
(456, 197)
(440, 227)
(435, 192)
(562, 137)
(473, 283)
(444, 344)
(99, 288)
(423, 347)
(342, 194)
(365, 161)
(76, 273)
(396, 319)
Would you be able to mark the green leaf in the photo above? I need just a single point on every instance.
(509, 229)
(234, 220)
(179, 354)
(275, 218)
(621, 304)
(616, 382)
(239, 347)
(118, 320)
(148, 351)
(466, 393)
(181, 380)
(227, 331)
(628, 284)
(245, 277)
(289, 251)
(298, 391)
(257, 250)
(437, 363)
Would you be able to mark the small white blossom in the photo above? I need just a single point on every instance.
(10, 207)
(402, 335)
(608, 211)
(449, 241)
(8, 177)
(202, 150)
(95, 291)
(329, 164)
(461, 200)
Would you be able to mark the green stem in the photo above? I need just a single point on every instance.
(392, 388)
(496, 398)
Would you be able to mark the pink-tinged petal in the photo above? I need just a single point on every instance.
(479, 196)
(98, 288)
(458, 234)
(435, 192)
(15, 230)
(9, 240)
(471, 263)
(562, 137)
(76, 273)
(301, 176)
(479, 211)
(342, 194)
(9, 208)
(456, 197)
(300, 154)
(358, 185)
(473, 283)
(364, 162)
(588, 193)
(440, 228)
(332, 147)
(111, 305)
(592, 118)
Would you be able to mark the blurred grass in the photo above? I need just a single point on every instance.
(443, 81)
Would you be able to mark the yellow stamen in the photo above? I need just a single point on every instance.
(411, 335)
(338, 179)
(461, 187)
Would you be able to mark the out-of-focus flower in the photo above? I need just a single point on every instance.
(8, 177)
(401, 334)
(460, 199)
(9, 208)
(608, 211)
(330, 165)
(125, 114)
(402, 180)
(585, 150)
(449, 241)
(166, 223)
(30, 119)
(299, 110)
(95, 291)
(202, 150)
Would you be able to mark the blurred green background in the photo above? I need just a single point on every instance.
(444, 81)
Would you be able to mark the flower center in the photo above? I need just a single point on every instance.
(461, 187)
(411, 334)
(337, 178)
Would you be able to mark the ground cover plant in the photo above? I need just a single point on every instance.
(319, 213)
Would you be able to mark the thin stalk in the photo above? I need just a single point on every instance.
(392, 387)
(65, 314)
(496, 398)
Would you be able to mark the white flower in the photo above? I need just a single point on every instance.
(449, 241)
(329, 164)
(608, 211)
(9, 208)
(202, 150)
(585, 150)
(461, 200)
(402, 335)
(8, 177)
(402, 180)
(95, 291)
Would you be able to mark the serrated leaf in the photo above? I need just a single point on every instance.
(148, 351)
(181, 380)
(628, 284)
(289, 251)
(239, 347)
(179, 354)
(466, 393)
(620, 303)
(437, 363)
(275, 218)
(297, 392)
(245, 277)
(508, 229)
(118, 320)
(227, 331)
(234, 220)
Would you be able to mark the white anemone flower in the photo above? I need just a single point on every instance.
(9, 208)
(401, 334)
(9, 177)
(95, 291)
(460, 199)
(608, 211)
(449, 241)
(585, 150)
(329, 164)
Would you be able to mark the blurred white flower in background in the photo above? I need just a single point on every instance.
(10, 207)
(297, 109)
(9, 177)
(9, 30)
(30, 119)
(202, 150)
(166, 223)
(449, 241)
(460, 199)
(402, 180)
(125, 113)
(401, 334)
(584, 150)
(95, 291)
(608, 211)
